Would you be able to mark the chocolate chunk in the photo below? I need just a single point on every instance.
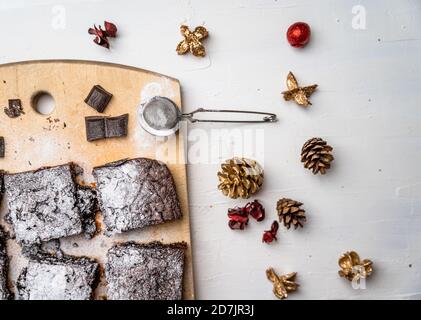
(98, 98)
(51, 278)
(4, 266)
(44, 204)
(152, 271)
(136, 193)
(14, 109)
(116, 126)
(106, 127)
(2, 147)
(95, 128)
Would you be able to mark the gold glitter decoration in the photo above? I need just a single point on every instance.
(352, 268)
(240, 177)
(299, 94)
(282, 285)
(192, 41)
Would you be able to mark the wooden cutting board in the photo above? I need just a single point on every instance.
(34, 140)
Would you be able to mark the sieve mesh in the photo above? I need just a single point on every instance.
(161, 114)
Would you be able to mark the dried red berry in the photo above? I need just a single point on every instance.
(235, 225)
(298, 34)
(101, 35)
(102, 42)
(238, 218)
(256, 210)
(110, 28)
(270, 235)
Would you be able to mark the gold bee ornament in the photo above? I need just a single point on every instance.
(299, 94)
(353, 268)
(282, 285)
(192, 41)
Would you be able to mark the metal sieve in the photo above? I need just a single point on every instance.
(160, 116)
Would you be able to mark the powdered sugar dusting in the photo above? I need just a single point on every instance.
(161, 88)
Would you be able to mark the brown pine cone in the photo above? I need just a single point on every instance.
(240, 177)
(316, 155)
(289, 212)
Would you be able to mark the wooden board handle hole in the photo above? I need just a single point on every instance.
(43, 102)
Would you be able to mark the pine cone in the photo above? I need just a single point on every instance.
(316, 155)
(289, 212)
(240, 177)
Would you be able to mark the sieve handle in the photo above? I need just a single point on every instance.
(268, 117)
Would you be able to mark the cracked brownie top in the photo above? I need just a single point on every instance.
(43, 204)
(51, 278)
(136, 193)
(152, 271)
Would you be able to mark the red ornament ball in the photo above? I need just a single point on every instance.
(298, 34)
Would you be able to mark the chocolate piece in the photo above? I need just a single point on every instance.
(50, 278)
(4, 266)
(106, 127)
(95, 128)
(116, 126)
(98, 98)
(135, 193)
(44, 204)
(151, 271)
(2, 147)
(14, 109)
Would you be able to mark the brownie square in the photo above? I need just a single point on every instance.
(51, 278)
(98, 98)
(151, 271)
(42, 204)
(135, 193)
(4, 266)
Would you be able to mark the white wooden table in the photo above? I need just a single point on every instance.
(367, 108)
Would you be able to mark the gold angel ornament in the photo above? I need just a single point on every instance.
(352, 268)
(192, 41)
(299, 94)
(282, 285)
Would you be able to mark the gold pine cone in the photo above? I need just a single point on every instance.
(290, 212)
(353, 268)
(316, 155)
(240, 177)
